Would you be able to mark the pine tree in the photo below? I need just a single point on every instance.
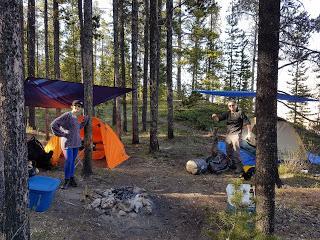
(13, 148)
(266, 112)
(134, 44)
(233, 50)
(154, 70)
(87, 73)
(31, 53)
(298, 87)
(169, 16)
(145, 66)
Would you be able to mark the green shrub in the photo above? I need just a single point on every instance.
(236, 224)
(199, 115)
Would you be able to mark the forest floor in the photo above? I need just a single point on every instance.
(183, 202)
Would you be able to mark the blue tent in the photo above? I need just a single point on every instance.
(234, 94)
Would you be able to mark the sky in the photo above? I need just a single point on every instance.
(312, 7)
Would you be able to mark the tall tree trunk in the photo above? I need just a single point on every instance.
(123, 65)
(179, 51)
(134, 39)
(31, 39)
(160, 23)
(13, 150)
(267, 78)
(80, 15)
(145, 66)
(154, 63)
(56, 44)
(169, 67)
(2, 189)
(74, 50)
(46, 50)
(253, 67)
(87, 74)
(116, 65)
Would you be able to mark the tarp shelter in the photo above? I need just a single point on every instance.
(46, 93)
(234, 94)
(107, 145)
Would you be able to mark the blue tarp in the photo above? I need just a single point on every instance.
(46, 93)
(247, 158)
(234, 94)
(315, 159)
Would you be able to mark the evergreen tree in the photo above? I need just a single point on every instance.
(266, 112)
(134, 45)
(232, 50)
(13, 148)
(87, 73)
(154, 70)
(145, 65)
(296, 34)
(298, 87)
(200, 32)
(169, 16)
(31, 52)
(71, 61)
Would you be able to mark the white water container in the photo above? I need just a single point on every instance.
(248, 197)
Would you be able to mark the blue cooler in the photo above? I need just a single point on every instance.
(41, 192)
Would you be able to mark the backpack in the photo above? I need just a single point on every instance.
(218, 164)
(37, 154)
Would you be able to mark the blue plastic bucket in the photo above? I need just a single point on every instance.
(41, 192)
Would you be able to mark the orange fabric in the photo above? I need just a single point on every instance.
(54, 145)
(107, 145)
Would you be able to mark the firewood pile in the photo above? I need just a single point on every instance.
(121, 201)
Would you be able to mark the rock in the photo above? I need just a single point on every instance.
(108, 192)
(133, 214)
(138, 190)
(125, 206)
(148, 209)
(122, 213)
(96, 203)
(99, 210)
(108, 202)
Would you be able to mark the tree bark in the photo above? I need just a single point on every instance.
(145, 66)
(2, 189)
(12, 125)
(169, 68)
(31, 39)
(154, 63)
(123, 65)
(56, 45)
(266, 110)
(116, 66)
(87, 73)
(46, 50)
(80, 15)
(134, 39)
(179, 52)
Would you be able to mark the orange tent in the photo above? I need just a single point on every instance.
(107, 145)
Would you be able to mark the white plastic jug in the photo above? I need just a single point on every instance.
(248, 195)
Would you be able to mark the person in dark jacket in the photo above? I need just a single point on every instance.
(67, 127)
(236, 120)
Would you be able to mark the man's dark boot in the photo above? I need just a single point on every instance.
(73, 183)
(238, 168)
(65, 184)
